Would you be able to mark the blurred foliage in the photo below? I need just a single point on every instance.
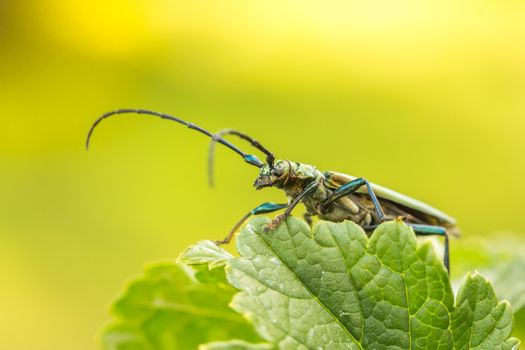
(171, 307)
(425, 97)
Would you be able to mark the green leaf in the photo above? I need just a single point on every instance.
(205, 252)
(500, 258)
(175, 307)
(479, 321)
(334, 288)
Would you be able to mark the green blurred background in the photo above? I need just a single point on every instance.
(425, 97)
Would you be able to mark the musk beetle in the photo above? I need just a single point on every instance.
(329, 195)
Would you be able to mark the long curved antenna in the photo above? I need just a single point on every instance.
(250, 159)
(270, 158)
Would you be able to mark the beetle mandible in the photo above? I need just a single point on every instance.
(329, 195)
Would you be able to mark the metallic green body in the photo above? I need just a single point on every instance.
(357, 207)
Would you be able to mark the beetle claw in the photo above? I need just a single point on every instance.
(399, 218)
(275, 223)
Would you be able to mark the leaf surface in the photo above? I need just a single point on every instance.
(500, 258)
(335, 288)
(479, 321)
(205, 253)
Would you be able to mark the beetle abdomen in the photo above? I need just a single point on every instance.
(345, 208)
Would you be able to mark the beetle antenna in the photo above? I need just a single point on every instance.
(270, 158)
(247, 157)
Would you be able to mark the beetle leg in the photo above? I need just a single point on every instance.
(352, 187)
(427, 230)
(308, 218)
(264, 208)
(430, 230)
(312, 186)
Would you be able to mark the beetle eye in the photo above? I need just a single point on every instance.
(277, 172)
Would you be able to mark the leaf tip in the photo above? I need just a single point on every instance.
(204, 253)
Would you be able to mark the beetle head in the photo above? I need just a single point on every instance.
(273, 176)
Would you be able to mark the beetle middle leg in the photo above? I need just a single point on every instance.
(308, 218)
(352, 187)
(430, 230)
(264, 208)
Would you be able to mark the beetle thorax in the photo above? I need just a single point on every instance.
(299, 177)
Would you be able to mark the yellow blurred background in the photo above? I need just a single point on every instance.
(425, 97)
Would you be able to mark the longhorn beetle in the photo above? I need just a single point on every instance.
(329, 195)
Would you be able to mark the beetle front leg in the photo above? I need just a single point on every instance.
(352, 187)
(280, 218)
(264, 208)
